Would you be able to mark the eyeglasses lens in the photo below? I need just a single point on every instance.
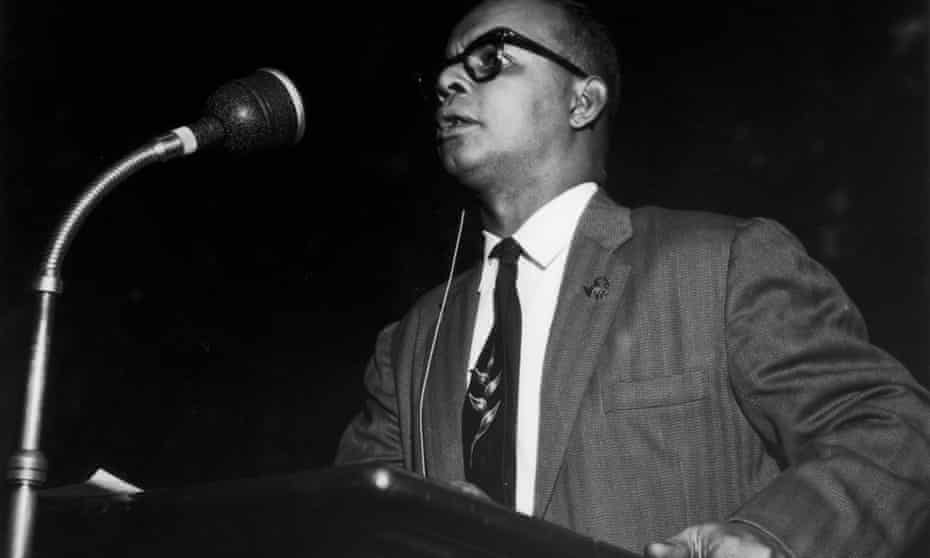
(484, 63)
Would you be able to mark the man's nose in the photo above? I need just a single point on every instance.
(452, 81)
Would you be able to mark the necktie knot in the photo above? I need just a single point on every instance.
(507, 251)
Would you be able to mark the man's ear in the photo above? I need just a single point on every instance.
(589, 100)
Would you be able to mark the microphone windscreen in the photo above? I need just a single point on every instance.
(256, 112)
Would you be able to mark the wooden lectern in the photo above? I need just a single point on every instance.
(357, 511)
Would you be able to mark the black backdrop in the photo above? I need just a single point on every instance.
(218, 311)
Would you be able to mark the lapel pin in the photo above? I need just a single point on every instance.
(598, 289)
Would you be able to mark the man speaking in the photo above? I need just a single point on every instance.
(688, 383)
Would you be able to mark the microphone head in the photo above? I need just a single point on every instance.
(259, 111)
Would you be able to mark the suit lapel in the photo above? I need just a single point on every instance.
(578, 327)
(445, 388)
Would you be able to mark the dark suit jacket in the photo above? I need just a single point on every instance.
(724, 375)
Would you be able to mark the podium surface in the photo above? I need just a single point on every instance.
(357, 511)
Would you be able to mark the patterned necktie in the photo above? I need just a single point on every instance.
(489, 414)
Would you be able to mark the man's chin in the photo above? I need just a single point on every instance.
(457, 163)
(472, 175)
(476, 173)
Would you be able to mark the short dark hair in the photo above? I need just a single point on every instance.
(587, 43)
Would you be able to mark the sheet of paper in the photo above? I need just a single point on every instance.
(101, 483)
(105, 480)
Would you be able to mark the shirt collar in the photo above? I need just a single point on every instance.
(548, 231)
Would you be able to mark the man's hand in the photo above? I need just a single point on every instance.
(717, 540)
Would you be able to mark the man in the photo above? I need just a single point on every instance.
(677, 372)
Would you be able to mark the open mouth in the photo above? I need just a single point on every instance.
(450, 124)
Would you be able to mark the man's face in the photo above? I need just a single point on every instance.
(490, 130)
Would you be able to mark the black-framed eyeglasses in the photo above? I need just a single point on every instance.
(482, 58)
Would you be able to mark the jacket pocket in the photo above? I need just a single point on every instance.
(655, 392)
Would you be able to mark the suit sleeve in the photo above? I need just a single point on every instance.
(848, 424)
(374, 434)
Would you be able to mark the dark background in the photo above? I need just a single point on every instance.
(218, 311)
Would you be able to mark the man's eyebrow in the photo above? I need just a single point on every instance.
(465, 41)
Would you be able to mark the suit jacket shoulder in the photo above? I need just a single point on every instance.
(678, 229)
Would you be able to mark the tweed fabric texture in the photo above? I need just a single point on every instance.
(725, 375)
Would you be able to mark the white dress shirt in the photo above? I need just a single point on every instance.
(545, 238)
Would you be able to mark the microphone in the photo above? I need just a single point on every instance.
(260, 111)
(257, 112)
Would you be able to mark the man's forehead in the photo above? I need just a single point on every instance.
(532, 18)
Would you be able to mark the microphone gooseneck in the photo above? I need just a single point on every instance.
(260, 111)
